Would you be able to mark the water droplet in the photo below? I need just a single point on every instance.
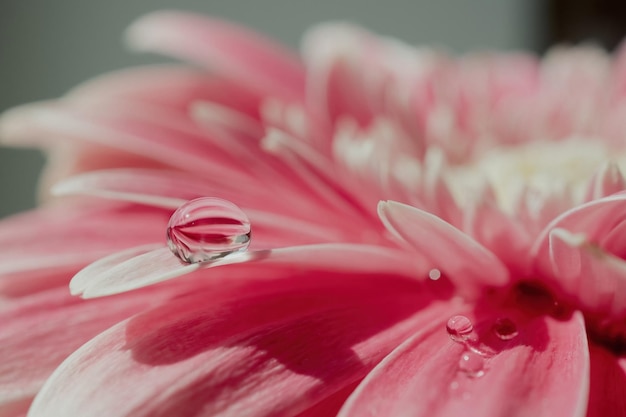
(505, 329)
(459, 328)
(206, 229)
(472, 364)
(434, 274)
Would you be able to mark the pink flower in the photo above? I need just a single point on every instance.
(489, 280)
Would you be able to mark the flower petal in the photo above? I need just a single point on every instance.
(608, 180)
(174, 87)
(232, 50)
(67, 238)
(40, 331)
(502, 235)
(594, 219)
(277, 346)
(275, 224)
(594, 279)
(468, 264)
(543, 371)
(127, 270)
(146, 265)
(608, 379)
(142, 130)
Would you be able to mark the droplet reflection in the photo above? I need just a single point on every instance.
(505, 329)
(472, 364)
(459, 328)
(206, 229)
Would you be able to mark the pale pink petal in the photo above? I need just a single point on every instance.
(67, 238)
(318, 174)
(66, 160)
(596, 280)
(276, 347)
(502, 235)
(615, 241)
(464, 260)
(274, 222)
(146, 265)
(40, 331)
(607, 396)
(595, 219)
(608, 180)
(175, 87)
(436, 192)
(128, 270)
(336, 84)
(543, 371)
(130, 185)
(231, 50)
(141, 130)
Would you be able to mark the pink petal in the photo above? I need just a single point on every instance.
(541, 372)
(135, 185)
(146, 265)
(608, 180)
(615, 241)
(274, 222)
(468, 264)
(594, 279)
(225, 47)
(504, 236)
(40, 331)
(141, 130)
(318, 174)
(62, 239)
(128, 270)
(276, 347)
(336, 83)
(608, 379)
(595, 219)
(175, 87)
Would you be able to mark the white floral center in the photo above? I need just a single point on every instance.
(544, 167)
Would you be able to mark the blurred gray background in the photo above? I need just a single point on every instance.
(46, 47)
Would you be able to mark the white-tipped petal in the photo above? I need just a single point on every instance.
(128, 270)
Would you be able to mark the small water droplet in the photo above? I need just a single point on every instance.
(459, 328)
(505, 329)
(434, 274)
(454, 385)
(472, 365)
(206, 229)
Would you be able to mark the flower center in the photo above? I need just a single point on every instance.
(546, 168)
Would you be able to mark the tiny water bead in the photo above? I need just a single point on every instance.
(472, 364)
(459, 328)
(505, 329)
(207, 229)
(434, 274)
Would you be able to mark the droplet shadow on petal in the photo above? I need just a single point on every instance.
(308, 322)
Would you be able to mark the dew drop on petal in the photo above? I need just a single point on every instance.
(434, 274)
(459, 328)
(206, 229)
(472, 364)
(505, 329)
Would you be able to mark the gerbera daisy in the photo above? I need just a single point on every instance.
(430, 235)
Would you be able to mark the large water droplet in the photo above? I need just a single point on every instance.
(206, 229)
(505, 329)
(459, 328)
(472, 364)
